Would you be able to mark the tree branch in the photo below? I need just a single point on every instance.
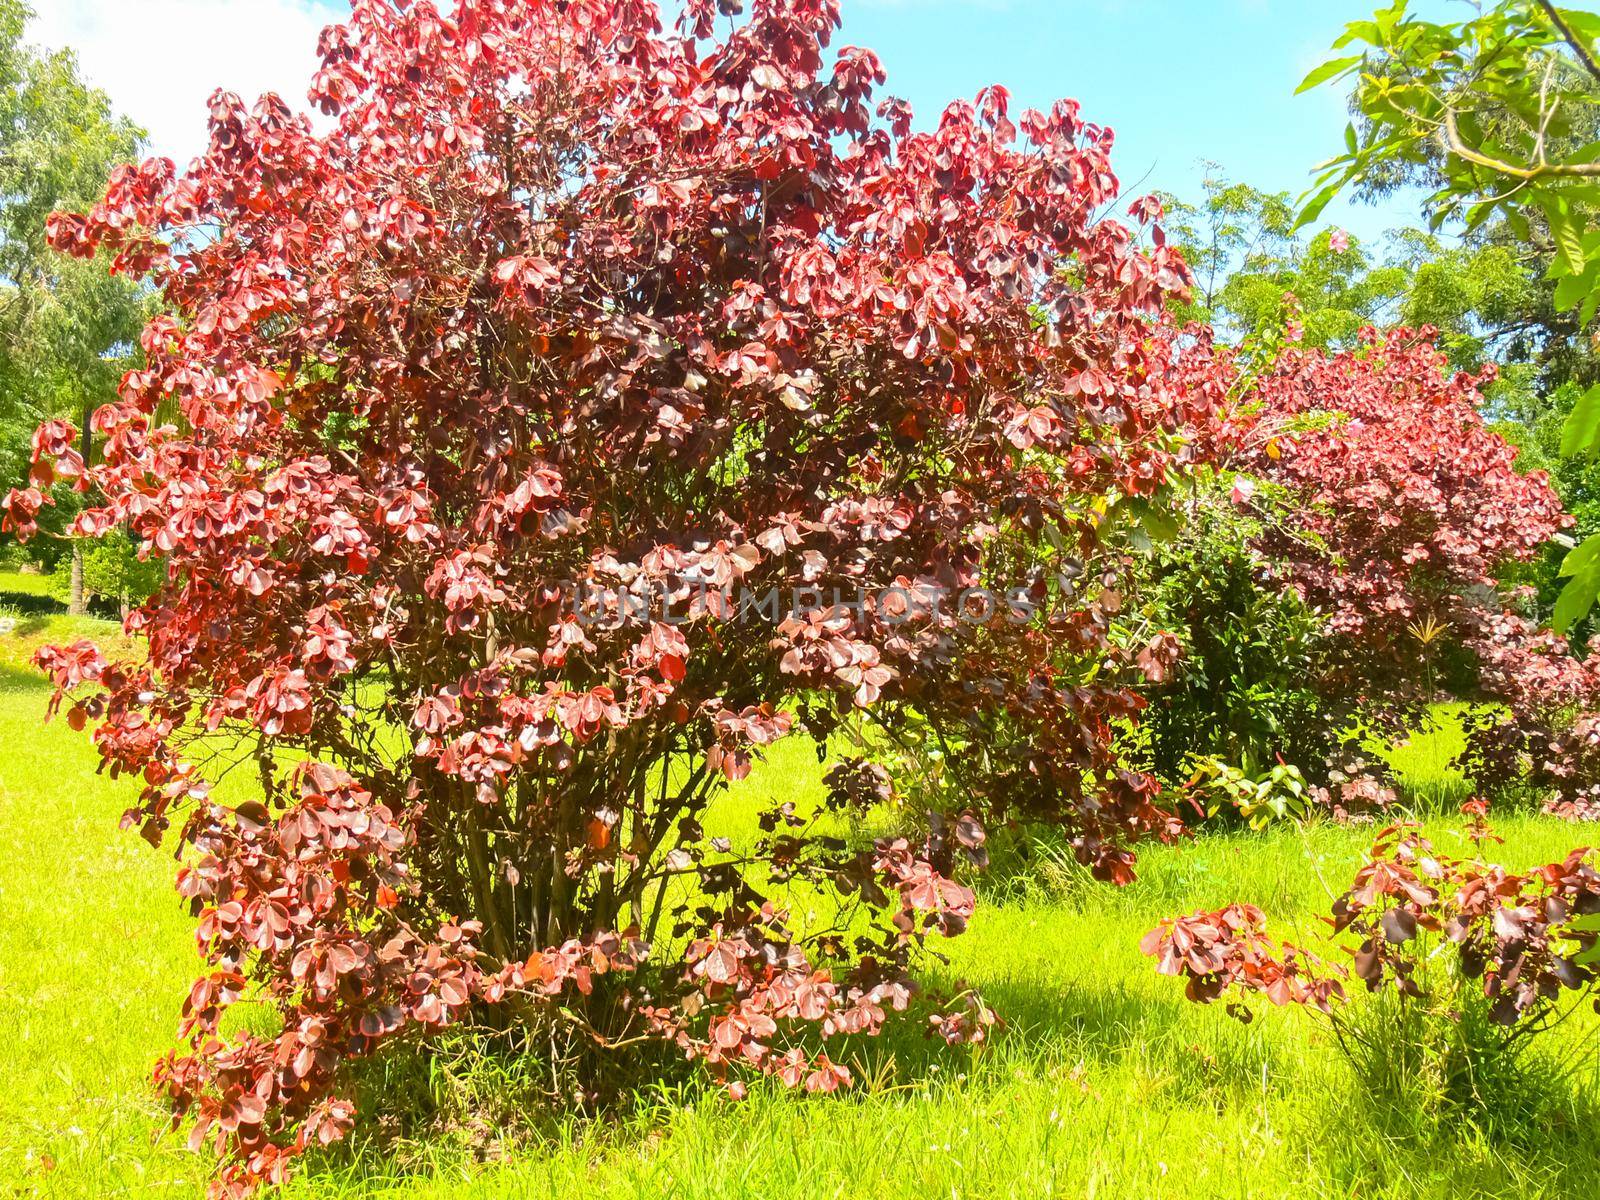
(1454, 143)
(1570, 37)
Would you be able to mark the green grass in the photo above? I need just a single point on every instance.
(17, 584)
(1105, 1084)
(1423, 760)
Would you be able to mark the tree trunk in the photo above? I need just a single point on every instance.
(77, 604)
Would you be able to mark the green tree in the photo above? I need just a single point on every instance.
(1247, 254)
(68, 329)
(1499, 114)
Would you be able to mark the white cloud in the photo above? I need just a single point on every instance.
(161, 59)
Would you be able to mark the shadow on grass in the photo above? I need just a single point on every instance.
(1373, 1145)
(27, 604)
(1344, 1135)
(17, 679)
(30, 604)
(1436, 797)
(1049, 1036)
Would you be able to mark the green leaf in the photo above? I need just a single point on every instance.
(1572, 290)
(1578, 597)
(1581, 432)
(1582, 557)
(1358, 31)
(1313, 207)
(1588, 193)
(1160, 523)
(1589, 923)
(1328, 70)
(1587, 154)
(1584, 24)
(1157, 523)
(1567, 227)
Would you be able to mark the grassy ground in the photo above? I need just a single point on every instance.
(35, 617)
(15, 583)
(1106, 1084)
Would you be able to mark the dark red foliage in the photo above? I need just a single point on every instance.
(566, 303)
(1406, 507)
(1513, 935)
(1230, 950)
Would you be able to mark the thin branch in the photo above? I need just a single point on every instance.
(1547, 110)
(1454, 143)
(1570, 37)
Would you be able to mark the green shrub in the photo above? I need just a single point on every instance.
(112, 570)
(1243, 693)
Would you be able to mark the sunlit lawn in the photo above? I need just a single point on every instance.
(1105, 1084)
(15, 583)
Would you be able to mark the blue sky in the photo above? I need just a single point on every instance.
(1179, 80)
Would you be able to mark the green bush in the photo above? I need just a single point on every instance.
(112, 570)
(1242, 694)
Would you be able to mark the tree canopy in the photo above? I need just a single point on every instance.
(68, 329)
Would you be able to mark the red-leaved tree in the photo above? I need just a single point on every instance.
(567, 309)
(1406, 506)
(1395, 511)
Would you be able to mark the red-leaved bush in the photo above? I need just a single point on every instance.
(1515, 942)
(1394, 511)
(1406, 506)
(564, 310)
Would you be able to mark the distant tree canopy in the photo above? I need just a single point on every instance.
(67, 328)
(1247, 254)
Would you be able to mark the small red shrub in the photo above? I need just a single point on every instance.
(1516, 938)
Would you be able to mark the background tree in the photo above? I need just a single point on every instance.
(1248, 254)
(1242, 245)
(68, 329)
(1499, 114)
(1344, 566)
